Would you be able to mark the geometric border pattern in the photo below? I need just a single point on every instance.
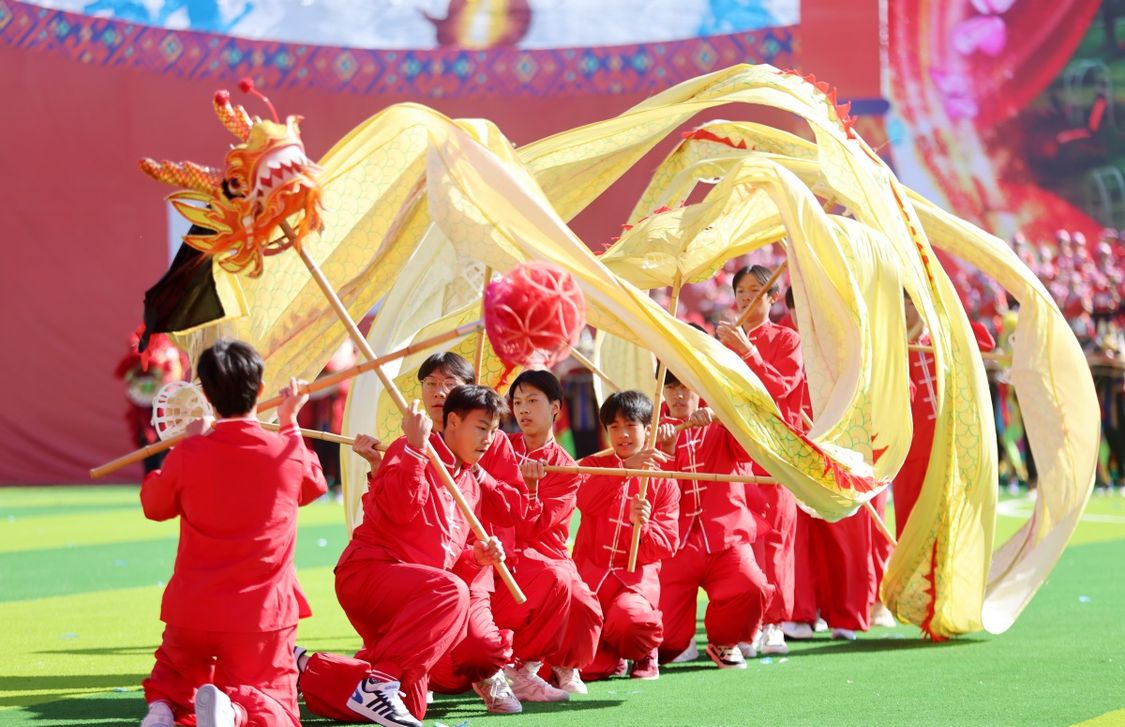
(429, 73)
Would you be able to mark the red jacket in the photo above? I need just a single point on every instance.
(507, 500)
(410, 517)
(557, 494)
(777, 361)
(601, 548)
(923, 391)
(236, 490)
(713, 515)
(511, 502)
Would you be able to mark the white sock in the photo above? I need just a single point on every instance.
(159, 713)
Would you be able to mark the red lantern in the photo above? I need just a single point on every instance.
(534, 315)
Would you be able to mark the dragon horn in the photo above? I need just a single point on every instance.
(184, 174)
(234, 118)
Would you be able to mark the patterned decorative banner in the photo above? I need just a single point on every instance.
(428, 74)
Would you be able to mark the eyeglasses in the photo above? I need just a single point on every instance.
(432, 385)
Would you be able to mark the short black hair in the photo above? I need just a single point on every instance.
(470, 397)
(449, 362)
(540, 380)
(231, 374)
(760, 272)
(670, 378)
(633, 406)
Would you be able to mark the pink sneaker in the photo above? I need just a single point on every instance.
(646, 668)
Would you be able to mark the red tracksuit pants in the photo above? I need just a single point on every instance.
(407, 615)
(907, 487)
(736, 589)
(583, 626)
(804, 576)
(844, 570)
(774, 550)
(538, 625)
(256, 671)
(633, 628)
(484, 651)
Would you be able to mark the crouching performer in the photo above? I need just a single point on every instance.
(404, 578)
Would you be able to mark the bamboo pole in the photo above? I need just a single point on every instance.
(594, 369)
(629, 472)
(568, 469)
(318, 385)
(321, 435)
(478, 361)
(400, 402)
(657, 400)
(916, 330)
(396, 395)
(880, 524)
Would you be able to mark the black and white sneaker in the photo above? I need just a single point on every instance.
(726, 657)
(381, 702)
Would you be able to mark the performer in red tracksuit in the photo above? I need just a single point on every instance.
(803, 617)
(834, 563)
(773, 353)
(567, 642)
(611, 507)
(233, 601)
(923, 397)
(498, 657)
(716, 543)
(404, 578)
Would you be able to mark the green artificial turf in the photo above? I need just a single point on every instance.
(81, 573)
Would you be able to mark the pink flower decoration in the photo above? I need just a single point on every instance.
(986, 33)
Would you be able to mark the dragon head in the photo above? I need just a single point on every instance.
(241, 213)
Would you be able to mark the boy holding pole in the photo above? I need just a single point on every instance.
(611, 507)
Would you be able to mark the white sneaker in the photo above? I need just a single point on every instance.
(159, 715)
(497, 695)
(726, 657)
(749, 650)
(797, 630)
(882, 616)
(843, 634)
(820, 626)
(528, 686)
(213, 707)
(381, 702)
(570, 680)
(773, 641)
(691, 653)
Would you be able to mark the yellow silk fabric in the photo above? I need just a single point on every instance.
(416, 204)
